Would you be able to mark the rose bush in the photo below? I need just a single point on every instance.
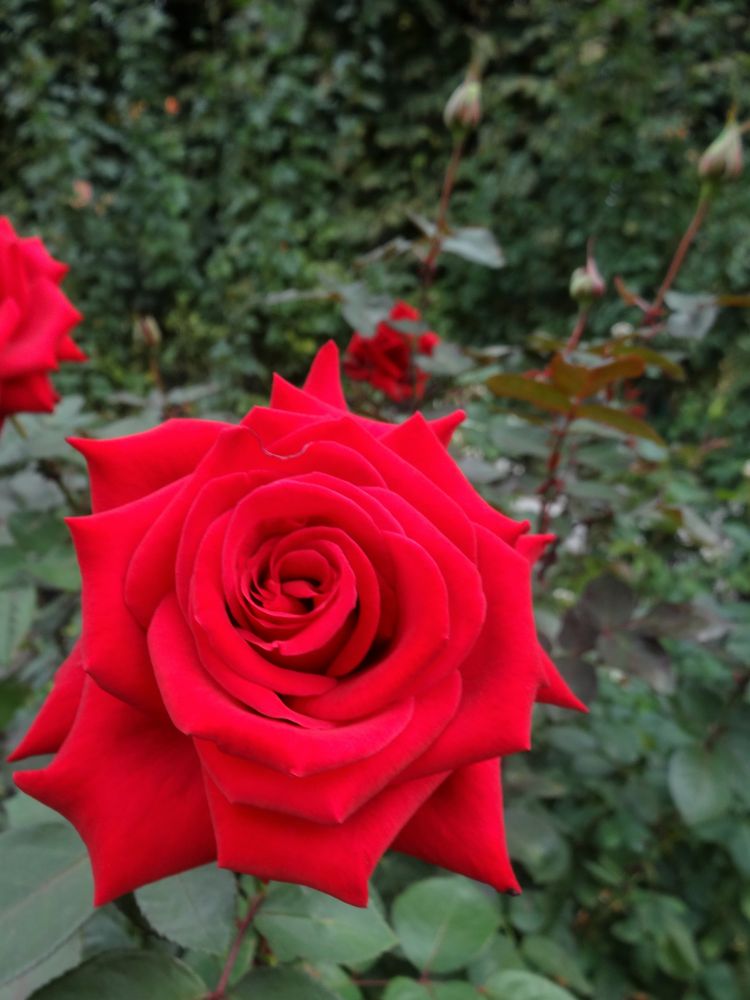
(35, 322)
(387, 359)
(305, 639)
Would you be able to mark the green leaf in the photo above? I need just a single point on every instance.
(443, 922)
(739, 847)
(46, 893)
(475, 244)
(517, 985)
(362, 309)
(277, 984)
(65, 957)
(535, 842)
(302, 923)
(699, 784)
(692, 316)
(127, 975)
(619, 420)
(546, 397)
(551, 958)
(402, 988)
(195, 909)
(335, 979)
(17, 607)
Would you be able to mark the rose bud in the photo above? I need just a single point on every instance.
(305, 639)
(464, 107)
(586, 283)
(723, 159)
(36, 318)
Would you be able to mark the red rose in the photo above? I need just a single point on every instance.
(306, 639)
(35, 320)
(386, 360)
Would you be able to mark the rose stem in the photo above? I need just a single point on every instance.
(449, 182)
(575, 337)
(18, 426)
(50, 470)
(549, 489)
(243, 927)
(680, 253)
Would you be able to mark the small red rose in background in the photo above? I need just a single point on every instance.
(35, 322)
(306, 639)
(388, 359)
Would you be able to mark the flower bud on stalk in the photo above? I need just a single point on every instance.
(586, 283)
(722, 161)
(464, 107)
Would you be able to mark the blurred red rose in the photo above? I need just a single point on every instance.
(387, 360)
(35, 322)
(306, 639)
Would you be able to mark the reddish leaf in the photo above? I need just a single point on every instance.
(571, 379)
(546, 397)
(620, 420)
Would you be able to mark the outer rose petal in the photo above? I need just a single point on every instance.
(414, 442)
(49, 729)
(337, 859)
(322, 395)
(132, 787)
(461, 827)
(127, 468)
(45, 321)
(113, 643)
(553, 689)
(502, 673)
(32, 393)
(324, 378)
(532, 547)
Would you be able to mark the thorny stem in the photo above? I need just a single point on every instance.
(50, 470)
(550, 488)
(575, 337)
(681, 252)
(449, 182)
(242, 928)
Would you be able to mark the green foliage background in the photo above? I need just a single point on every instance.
(306, 132)
(305, 135)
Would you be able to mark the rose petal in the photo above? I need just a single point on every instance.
(127, 468)
(113, 643)
(332, 796)
(336, 859)
(324, 378)
(198, 708)
(553, 690)
(461, 827)
(131, 785)
(55, 718)
(502, 673)
(416, 444)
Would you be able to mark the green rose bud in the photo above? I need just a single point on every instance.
(464, 107)
(722, 161)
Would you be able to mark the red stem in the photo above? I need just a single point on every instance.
(575, 337)
(242, 928)
(549, 488)
(681, 252)
(449, 182)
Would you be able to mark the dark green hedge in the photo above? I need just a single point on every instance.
(305, 132)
